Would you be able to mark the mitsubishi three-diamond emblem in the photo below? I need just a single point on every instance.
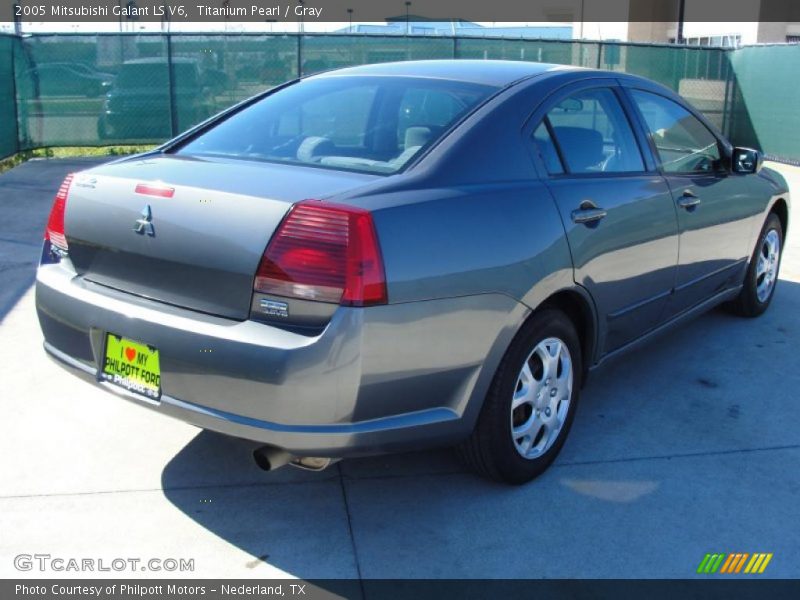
(144, 225)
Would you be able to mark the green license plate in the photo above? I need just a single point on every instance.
(132, 365)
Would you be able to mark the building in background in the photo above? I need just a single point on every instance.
(416, 25)
(726, 35)
(648, 21)
(657, 21)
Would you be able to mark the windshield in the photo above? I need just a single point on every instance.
(374, 124)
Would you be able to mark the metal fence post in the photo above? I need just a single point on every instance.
(299, 55)
(455, 46)
(14, 99)
(599, 54)
(173, 109)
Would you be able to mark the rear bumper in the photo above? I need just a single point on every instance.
(375, 380)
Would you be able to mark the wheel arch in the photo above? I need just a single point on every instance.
(579, 308)
(781, 209)
(576, 303)
(478, 449)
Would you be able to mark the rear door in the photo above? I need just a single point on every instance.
(715, 207)
(617, 211)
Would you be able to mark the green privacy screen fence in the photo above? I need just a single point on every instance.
(9, 136)
(104, 89)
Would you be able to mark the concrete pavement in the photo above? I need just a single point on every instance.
(691, 445)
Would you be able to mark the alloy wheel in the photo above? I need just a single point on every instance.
(541, 398)
(767, 265)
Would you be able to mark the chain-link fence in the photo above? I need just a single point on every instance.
(102, 89)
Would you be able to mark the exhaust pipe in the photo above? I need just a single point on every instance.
(269, 458)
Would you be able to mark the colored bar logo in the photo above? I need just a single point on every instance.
(736, 562)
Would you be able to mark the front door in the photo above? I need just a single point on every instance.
(715, 208)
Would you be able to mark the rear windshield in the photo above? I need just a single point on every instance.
(373, 124)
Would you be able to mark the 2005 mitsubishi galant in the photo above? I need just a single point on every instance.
(403, 255)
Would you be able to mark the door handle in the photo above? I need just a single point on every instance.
(588, 213)
(688, 200)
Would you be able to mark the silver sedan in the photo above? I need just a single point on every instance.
(397, 256)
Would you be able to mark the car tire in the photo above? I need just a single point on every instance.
(762, 273)
(546, 397)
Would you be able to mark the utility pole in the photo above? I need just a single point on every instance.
(131, 6)
(408, 6)
(350, 17)
(226, 5)
(681, 15)
(165, 20)
(302, 16)
(17, 19)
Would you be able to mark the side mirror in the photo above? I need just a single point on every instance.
(746, 160)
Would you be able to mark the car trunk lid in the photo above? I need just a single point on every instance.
(194, 232)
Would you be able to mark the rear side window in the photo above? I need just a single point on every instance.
(373, 124)
(592, 133)
(683, 143)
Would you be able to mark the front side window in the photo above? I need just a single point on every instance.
(592, 133)
(683, 143)
(373, 124)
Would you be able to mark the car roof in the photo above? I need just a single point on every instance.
(496, 73)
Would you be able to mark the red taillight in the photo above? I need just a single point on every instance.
(325, 252)
(54, 232)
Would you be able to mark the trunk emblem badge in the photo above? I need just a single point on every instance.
(144, 225)
(274, 309)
